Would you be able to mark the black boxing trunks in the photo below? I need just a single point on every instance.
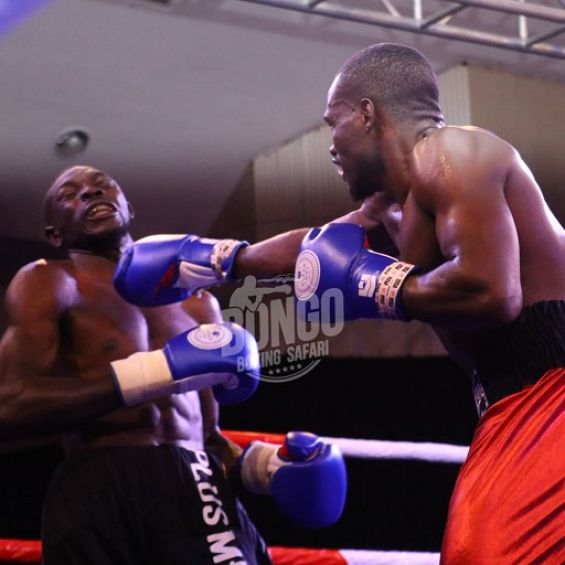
(146, 505)
(518, 354)
(508, 504)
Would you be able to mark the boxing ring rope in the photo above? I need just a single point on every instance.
(29, 551)
(370, 448)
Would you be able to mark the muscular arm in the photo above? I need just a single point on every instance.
(277, 255)
(477, 282)
(271, 257)
(33, 400)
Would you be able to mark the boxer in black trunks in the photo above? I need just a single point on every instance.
(141, 484)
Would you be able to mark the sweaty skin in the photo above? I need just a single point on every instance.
(477, 222)
(66, 323)
(459, 202)
(461, 205)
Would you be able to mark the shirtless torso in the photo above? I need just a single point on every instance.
(476, 221)
(127, 476)
(77, 325)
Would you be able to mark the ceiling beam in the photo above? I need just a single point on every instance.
(438, 24)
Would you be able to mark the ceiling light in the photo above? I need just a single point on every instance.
(71, 142)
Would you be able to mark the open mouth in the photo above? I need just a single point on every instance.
(338, 168)
(340, 172)
(100, 211)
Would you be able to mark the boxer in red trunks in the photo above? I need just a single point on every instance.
(481, 258)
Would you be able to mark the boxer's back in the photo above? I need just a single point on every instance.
(541, 236)
(538, 241)
(481, 155)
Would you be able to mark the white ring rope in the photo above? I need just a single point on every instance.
(405, 450)
(362, 557)
(371, 448)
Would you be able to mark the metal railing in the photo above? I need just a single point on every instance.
(531, 30)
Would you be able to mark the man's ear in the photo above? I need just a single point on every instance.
(131, 211)
(53, 236)
(368, 113)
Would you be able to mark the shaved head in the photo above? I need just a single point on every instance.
(396, 78)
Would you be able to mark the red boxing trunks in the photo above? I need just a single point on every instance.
(508, 504)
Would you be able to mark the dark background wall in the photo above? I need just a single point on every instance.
(390, 504)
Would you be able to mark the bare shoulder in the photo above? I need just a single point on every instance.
(203, 307)
(46, 280)
(44, 272)
(463, 150)
(462, 141)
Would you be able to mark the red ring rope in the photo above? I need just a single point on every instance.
(29, 551)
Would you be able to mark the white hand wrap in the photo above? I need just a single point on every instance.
(259, 464)
(142, 376)
(146, 376)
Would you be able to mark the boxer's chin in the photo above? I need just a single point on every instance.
(359, 191)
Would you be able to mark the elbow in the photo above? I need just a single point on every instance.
(493, 298)
(501, 308)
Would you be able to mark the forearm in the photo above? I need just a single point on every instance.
(446, 297)
(271, 257)
(43, 406)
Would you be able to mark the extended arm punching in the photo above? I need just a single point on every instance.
(163, 269)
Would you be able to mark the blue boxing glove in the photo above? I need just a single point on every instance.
(334, 261)
(224, 356)
(306, 477)
(162, 269)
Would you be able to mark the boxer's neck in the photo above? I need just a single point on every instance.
(110, 255)
(108, 248)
